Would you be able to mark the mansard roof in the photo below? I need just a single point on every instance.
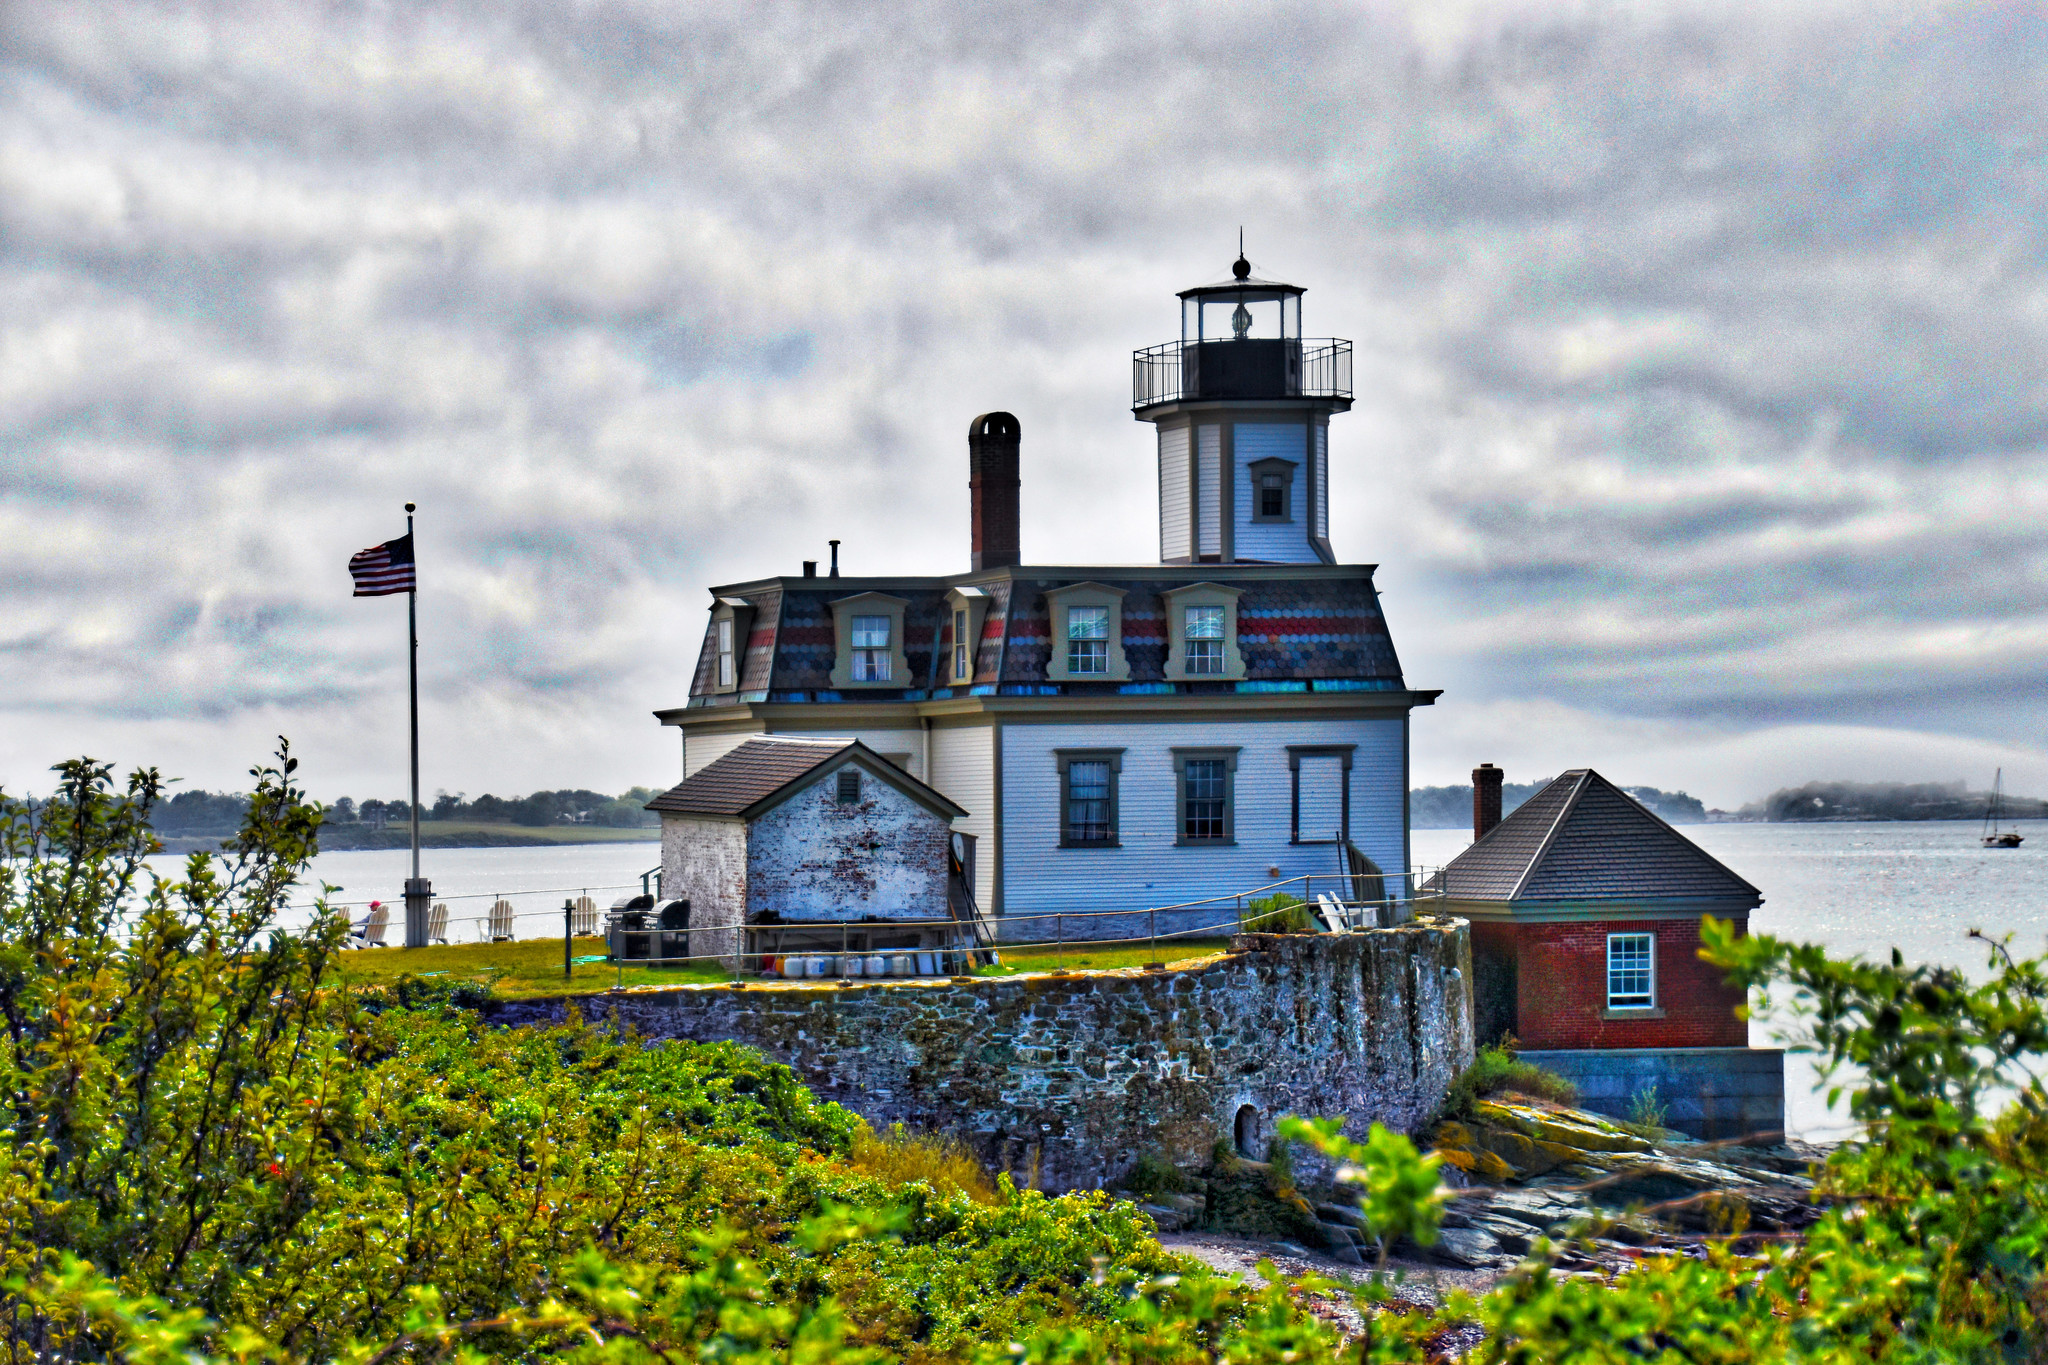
(1299, 627)
(762, 773)
(1584, 839)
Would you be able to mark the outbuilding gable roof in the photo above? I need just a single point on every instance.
(1584, 839)
(763, 773)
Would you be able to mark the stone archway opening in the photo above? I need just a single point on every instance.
(1246, 1131)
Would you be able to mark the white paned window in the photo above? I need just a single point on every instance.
(1204, 640)
(871, 649)
(725, 659)
(1631, 971)
(1319, 799)
(962, 658)
(1087, 639)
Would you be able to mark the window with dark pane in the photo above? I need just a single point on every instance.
(1205, 794)
(1088, 802)
(849, 786)
(1272, 496)
(1631, 971)
(961, 672)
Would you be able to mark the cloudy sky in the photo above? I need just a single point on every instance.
(1701, 426)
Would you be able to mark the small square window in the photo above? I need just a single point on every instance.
(1272, 497)
(1204, 640)
(1088, 640)
(871, 649)
(849, 786)
(1631, 971)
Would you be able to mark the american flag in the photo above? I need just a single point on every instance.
(383, 569)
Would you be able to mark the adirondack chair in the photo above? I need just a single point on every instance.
(1333, 914)
(437, 923)
(370, 933)
(501, 922)
(583, 923)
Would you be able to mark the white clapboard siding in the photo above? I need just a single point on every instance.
(1320, 514)
(1275, 542)
(1174, 504)
(701, 750)
(964, 768)
(1322, 797)
(1209, 488)
(1148, 869)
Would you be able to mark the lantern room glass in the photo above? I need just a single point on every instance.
(1241, 315)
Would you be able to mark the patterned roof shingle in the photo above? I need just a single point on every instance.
(1319, 628)
(753, 772)
(1580, 839)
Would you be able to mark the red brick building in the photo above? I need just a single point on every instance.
(1585, 910)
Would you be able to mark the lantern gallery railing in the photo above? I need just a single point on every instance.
(1182, 371)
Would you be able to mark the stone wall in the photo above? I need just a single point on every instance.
(1070, 1078)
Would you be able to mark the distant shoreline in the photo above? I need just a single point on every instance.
(438, 834)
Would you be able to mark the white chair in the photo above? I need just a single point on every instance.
(501, 922)
(370, 933)
(1332, 913)
(437, 923)
(583, 920)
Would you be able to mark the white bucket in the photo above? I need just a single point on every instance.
(876, 965)
(854, 965)
(792, 968)
(815, 967)
(901, 965)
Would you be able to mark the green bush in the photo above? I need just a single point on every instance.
(1495, 1070)
(1279, 913)
(1153, 1177)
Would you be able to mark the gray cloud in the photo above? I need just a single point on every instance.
(1700, 347)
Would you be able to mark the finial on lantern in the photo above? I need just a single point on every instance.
(1242, 268)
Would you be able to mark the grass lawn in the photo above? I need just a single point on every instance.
(1046, 957)
(534, 967)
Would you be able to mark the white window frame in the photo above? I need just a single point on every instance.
(1646, 1000)
(726, 672)
(971, 604)
(1087, 641)
(731, 619)
(871, 655)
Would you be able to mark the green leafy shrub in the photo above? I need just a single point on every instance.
(1278, 913)
(1153, 1178)
(1495, 1070)
(901, 1157)
(1646, 1112)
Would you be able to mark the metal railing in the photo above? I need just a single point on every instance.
(1180, 371)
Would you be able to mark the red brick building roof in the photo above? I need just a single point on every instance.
(1584, 839)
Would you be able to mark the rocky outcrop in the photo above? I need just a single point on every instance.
(1531, 1170)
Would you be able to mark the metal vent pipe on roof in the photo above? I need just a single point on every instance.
(835, 557)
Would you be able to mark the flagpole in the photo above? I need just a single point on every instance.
(417, 891)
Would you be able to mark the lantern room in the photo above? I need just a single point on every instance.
(1242, 404)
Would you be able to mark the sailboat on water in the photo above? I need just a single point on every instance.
(1993, 836)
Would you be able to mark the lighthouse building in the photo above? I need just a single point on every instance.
(1121, 737)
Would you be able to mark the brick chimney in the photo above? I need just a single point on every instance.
(992, 441)
(1485, 799)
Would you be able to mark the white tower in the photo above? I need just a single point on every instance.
(1243, 408)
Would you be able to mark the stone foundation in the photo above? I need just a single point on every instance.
(1068, 1079)
(1707, 1092)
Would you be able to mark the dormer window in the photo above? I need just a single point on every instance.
(1202, 624)
(730, 619)
(966, 607)
(871, 649)
(868, 635)
(1273, 479)
(1204, 641)
(1087, 634)
(1087, 641)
